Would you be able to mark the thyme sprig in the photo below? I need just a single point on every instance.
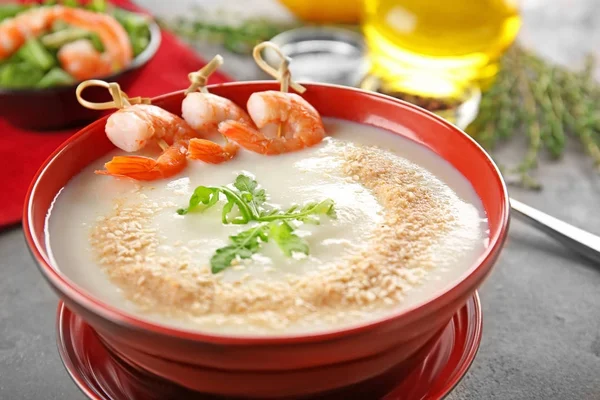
(549, 104)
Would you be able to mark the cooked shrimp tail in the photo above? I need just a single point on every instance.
(298, 124)
(252, 139)
(211, 152)
(171, 162)
(133, 126)
(134, 167)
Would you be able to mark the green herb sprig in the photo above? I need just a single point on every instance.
(239, 38)
(549, 104)
(245, 203)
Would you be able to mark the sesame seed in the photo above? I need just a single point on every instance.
(396, 258)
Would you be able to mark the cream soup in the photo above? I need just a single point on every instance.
(407, 225)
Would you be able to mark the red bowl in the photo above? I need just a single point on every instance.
(276, 384)
(157, 347)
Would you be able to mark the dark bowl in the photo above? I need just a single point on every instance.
(57, 107)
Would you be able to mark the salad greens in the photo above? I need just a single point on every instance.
(136, 26)
(10, 10)
(245, 204)
(60, 37)
(35, 64)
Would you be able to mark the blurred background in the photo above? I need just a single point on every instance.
(519, 76)
(505, 70)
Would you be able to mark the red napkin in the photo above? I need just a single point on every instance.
(22, 152)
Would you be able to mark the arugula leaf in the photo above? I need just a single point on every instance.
(244, 183)
(234, 198)
(209, 196)
(245, 244)
(202, 195)
(283, 234)
(254, 198)
(309, 213)
(246, 196)
(227, 208)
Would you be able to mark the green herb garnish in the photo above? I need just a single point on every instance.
(283, 234)
(250, 193)
(239, 37)
(246, 203)
(548, 105)
(244, 245)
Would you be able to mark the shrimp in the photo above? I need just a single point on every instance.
(81, 60)
(211, 152)
(15, 31)
(301, 124)
(132, 128)
(172, 161)
(118, 50)
(204, 112)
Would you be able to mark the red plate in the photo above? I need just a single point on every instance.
(102, 376)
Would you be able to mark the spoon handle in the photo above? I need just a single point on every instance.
(578, 240)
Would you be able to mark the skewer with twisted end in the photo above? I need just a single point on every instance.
(119, 98)
(199, 79)
(282, 74)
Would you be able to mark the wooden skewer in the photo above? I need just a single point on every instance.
(199, 78)
(282, 74)
(276, 73)
(119, 98)
(162, 144)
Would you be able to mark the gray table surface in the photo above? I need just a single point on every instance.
(541, 305)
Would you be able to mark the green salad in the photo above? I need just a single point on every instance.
(35, 64)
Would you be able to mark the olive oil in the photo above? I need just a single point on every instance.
(437, 48)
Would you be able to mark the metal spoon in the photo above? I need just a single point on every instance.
(578, 240)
